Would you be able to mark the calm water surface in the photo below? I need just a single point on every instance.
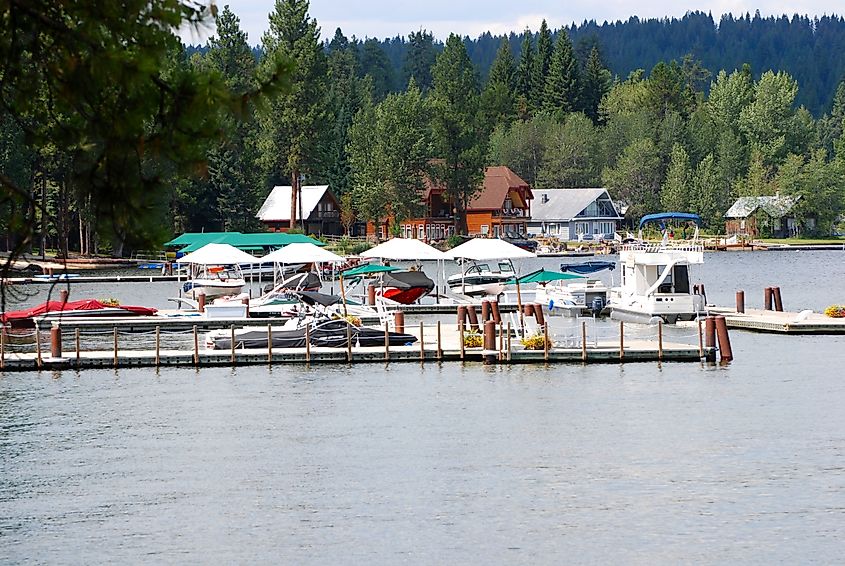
(641, 463)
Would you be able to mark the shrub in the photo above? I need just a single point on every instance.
(535, 342)
(835, 311)
(472, 339)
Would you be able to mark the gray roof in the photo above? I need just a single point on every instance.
(775, 206)
(551, 205)
(277, 205)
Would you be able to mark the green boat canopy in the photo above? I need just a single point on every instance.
(368, 269)
(192, 241)
(543, 276)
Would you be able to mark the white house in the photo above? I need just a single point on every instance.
(572, 213)
(319, 208)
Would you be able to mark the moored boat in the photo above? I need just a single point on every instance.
(56, 310)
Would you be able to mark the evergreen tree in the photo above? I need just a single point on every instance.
(296, 119)
(542, 63)
(705, 198)
(596, 83)
(419, 59)
(676, 189)
(525, 74)
(376, 65)
(498, 100)
(561, 92)
(455, 133)
(522, 145)
(232, 175)
(635, 178)
(572, 155)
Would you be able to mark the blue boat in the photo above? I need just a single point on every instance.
(587, 267)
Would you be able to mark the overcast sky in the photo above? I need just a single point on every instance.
(388, 18)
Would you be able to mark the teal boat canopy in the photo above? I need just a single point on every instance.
(192, 241)
(686, 216)
(543, 276)
(368, 269)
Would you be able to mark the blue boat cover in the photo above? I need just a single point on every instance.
(670, 216)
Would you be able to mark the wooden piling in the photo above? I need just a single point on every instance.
(777, 298)
(2, 347)
(538, 314)
(584, 341)
(386, 343)
(201, 302)
(508, 357)
(501, 339)
(371, 294)
(700, 340)
(497, 315)
(725, 352)
(196, 347)
(461, 339)
(38, 346)
(740, 301)
(767, 299)
(485, 310)
(399, 322)
(710, 332)
(621, 339)
(349, 342)
(55, 341)
(545, 337)
(473, 317)
(158, 344)
(232, 340)
(489, 342)
(308, 343)
(660, 340)
(462, 316)
(114, 333)
(422, 343)
(269, 344)
(439, 345)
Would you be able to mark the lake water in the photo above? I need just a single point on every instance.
(639, 463)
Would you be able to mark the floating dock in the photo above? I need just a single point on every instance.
(435, 344)
(758, 320)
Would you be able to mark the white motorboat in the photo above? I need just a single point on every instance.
(214, 281)
(478, 280)
(656, 279)
(573, 298)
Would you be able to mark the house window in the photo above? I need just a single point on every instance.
(485, 229)
(582, 228)
(606, 227)
(496, 230)
(420, 232)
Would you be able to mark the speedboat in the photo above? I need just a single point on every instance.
(56, 310)
(573, 298)
(332, 333)
(405, 287)
(215, 281)
(479, 280)
(656, 278)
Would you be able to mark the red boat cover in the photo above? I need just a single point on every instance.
(84, 305)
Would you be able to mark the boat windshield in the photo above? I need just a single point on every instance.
(478, 268)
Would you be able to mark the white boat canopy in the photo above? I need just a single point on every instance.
(404, 249)
(218, 254)
(302, 253)
(481, 249)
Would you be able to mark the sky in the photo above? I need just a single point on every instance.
(388, 18)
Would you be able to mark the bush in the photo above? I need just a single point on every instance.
(359, 248)
(454, 240)
(535, 342)
(472, 339)
(835, 311)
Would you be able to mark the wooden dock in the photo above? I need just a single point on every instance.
(440, 343)
(759, 320)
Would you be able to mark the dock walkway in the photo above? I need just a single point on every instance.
(758, 320)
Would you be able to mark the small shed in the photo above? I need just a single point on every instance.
(571, 214)
(764, 216)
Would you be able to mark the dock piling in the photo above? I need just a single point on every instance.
(461, 340)
(422, 343)
(767, 299)
(196, 347)
(545, 336)
(497, 316)
(777, 298)
(114, 332)
(307, 343)
(201, 302)
(2, 347)
(439, 345)
(76, 339)
(462, 316)
(349, 342)
(709, 332)
(725, 352)
(158, 345)
(584, 341)
(386, 343)
(508, 357)
(489, 342)
(485, 310)
(621, 339)
(473, 317)
(700, 340)
(740, 301)
(538, 314)
(399, 322)
(37, 346)
(269, 344)
(56, 341)
(232, 340)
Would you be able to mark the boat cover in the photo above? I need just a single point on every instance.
(408, 280)
(83, 305)
(588, 266)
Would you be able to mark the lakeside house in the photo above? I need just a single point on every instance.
(765, 216)
(572, 214)
(501, 207)
(320, 208)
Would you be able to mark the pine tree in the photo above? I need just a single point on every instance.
(419, 59)
(525, 72)
(456, 135)
(498, 100)
(705, 199)
(545, 48)
(596, 83)
(374, 62)
(562, 89)
(296, 119)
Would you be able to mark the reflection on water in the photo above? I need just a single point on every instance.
(442, 463)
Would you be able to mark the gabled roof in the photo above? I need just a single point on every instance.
(566, 204)
(192, 241)
(276, 207)
(775, 206)
(498, 182)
